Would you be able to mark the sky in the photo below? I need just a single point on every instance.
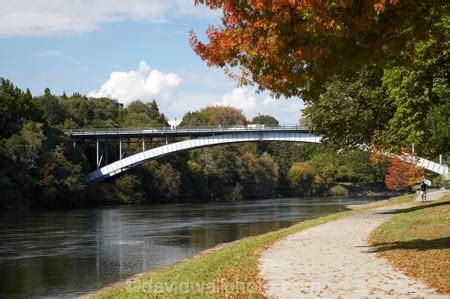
(126, 50)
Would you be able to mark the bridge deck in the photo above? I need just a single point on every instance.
(179, 131)
(200, 137)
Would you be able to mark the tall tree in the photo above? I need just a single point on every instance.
(214, 115)
(353, 110)
(292, 47)
(16, 107)
(265, 120)
(418, 87)
(53, 112)
(61, 180)
(438, 121)
(150, 110)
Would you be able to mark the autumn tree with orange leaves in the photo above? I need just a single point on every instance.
(295, 48)
(291, 47)
(402, 175)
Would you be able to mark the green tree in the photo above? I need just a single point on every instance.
(304, 180)
(61, 180)
(264, 120)
(14, 184)
(225, 115)
(258, 176)
(149, 109)
(266, 176)
(78, 110)
(139, 120)
(16, 107)
(352, 111)
(104, 112)
(356, 166)
(53, 112)
(195, 119)
(25, 147)
(139, 115)
(417, 88)
(129, 189)
(214, 115)
(438, 121)
(167, 180)
(326, 163)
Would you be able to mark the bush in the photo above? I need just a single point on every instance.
(339, 190)
(304, 180)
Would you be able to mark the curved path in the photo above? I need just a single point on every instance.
(333, 260)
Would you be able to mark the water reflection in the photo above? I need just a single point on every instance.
(68, 253)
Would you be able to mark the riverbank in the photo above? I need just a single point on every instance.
(99, 247)
(230, 269)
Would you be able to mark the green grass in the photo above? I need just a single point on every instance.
(229, 270)
(403, 199)
(417, 241)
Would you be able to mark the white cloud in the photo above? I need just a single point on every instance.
(287, 111)
(67, 17)
(143, 84)
(147, 84)
(240, 97)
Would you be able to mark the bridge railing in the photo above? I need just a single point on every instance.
(177, 129)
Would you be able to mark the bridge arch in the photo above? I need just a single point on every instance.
(185, 145)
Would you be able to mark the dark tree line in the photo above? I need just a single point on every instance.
(39, 167)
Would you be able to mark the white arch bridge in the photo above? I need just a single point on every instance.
(192, 138)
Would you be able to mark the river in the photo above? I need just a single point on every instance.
(67, 253)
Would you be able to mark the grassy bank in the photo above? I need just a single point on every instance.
(417, 242)
(229, 270)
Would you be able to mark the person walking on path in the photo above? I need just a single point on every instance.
(423, 191)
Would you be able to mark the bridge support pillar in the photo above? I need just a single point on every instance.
(143, 143)
(98, 153)
(106, 154)
(120, 148)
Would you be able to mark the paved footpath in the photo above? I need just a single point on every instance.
(333, 260)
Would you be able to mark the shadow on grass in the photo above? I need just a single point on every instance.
(418, 244)
(423, 205)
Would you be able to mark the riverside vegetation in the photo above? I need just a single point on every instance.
(384, 84)
(40, 168)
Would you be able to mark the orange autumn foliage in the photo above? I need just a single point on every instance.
(292, 47)
(402, 175)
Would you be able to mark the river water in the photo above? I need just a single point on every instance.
(67, 253)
